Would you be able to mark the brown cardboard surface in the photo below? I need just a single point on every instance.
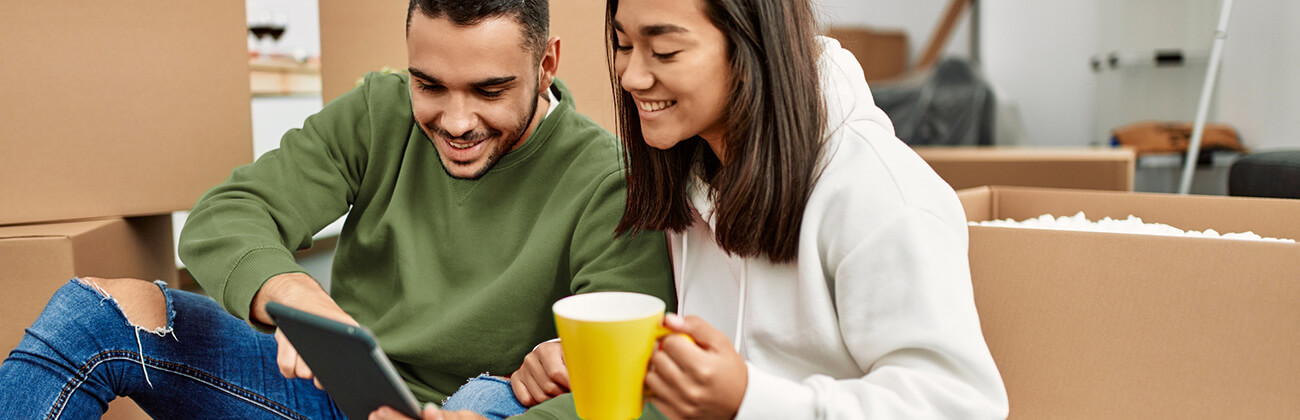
(583, 66)
(360, 37)
(1076, 168)
(119, 108)
(357, 37)
(1099, 325)
(35, 260)
(882, 53)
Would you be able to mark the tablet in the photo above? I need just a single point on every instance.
(347, 361)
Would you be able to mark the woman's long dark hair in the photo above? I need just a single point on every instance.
(774, 126)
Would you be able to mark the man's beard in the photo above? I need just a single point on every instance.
(504, 147)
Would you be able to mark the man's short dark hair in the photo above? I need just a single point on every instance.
(533, 15)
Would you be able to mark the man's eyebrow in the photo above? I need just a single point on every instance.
(421, 75)
(491, 81)
(494, 81)
(653, 30)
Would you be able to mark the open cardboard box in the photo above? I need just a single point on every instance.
(1082, 168)
(1100, 325)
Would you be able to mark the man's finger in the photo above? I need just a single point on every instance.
(302, 370)
(384, 413)
(285, 355)
(431, 413)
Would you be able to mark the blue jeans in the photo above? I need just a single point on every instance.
(489, 396)
(81, 353)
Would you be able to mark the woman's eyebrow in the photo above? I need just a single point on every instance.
(660, 29)
(653, 30)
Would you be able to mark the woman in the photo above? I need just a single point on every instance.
(821, 264)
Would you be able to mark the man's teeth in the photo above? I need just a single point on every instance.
(463, 146)
(655, 106)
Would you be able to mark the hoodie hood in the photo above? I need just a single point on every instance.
(844, 89)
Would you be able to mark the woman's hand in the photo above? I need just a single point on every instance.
(704, 379)
(430, 413)
(542, 376)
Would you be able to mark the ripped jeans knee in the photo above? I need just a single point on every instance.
(106, 298)
(82, 352)
(489, 396)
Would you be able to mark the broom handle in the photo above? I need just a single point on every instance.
(1207, 92)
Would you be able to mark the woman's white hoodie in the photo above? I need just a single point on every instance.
(876, 318)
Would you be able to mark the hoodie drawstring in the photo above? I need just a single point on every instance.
(740, 299)
(740, 306)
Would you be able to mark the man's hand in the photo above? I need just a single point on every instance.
(301, 292)
(429, 413)
(542, 376)
(703, 379)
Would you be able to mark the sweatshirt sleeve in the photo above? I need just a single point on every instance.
(628, 263)
(245, 230)
(907, 315)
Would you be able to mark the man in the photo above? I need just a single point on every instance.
(477, 197)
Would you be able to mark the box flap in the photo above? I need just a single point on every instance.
(978, 203)
(50, 230)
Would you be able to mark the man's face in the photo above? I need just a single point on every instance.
(474, 90)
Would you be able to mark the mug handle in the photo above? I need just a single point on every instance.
(662, 331)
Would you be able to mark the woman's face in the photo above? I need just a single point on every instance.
(674, 63)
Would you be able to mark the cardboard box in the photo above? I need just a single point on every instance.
(1097, 325)
(583, 64)
(361, 37)
(1081, 168)
(120, 108)
(36, 260)
(882, 53)
(357, 37)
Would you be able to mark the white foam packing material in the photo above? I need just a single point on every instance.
(1133, 224)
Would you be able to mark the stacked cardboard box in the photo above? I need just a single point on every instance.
(1101, 325)
(116, 114)
(1083, 168)
(882, 53)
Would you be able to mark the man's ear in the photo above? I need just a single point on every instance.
(550, 63)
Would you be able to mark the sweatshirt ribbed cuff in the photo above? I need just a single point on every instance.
(250, 273)
(768, 396)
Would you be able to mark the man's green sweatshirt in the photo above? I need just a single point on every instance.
(454, 277)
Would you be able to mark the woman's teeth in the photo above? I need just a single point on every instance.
(655, 106)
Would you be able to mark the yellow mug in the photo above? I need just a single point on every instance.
(607, 339)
